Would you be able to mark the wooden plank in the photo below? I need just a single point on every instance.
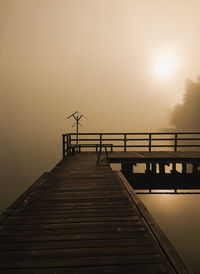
(73, 206)
(57, 244)
(54, 211)
(64, 229)
(74, 226)
(80, 197)
(79, 219)
(150, 268)
(162, 156)
(37, 261)
(147, 268)
(59, 215)
(84, 251)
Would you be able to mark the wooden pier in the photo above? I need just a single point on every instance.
(156, 150)
(82, 217)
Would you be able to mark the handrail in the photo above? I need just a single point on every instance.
(145, 140)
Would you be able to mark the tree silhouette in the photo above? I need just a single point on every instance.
(186, 116)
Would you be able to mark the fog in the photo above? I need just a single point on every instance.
(97, 57)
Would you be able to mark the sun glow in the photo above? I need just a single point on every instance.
(165, 65)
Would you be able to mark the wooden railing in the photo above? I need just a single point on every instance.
(129, 141)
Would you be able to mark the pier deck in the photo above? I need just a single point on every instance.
(155, 156)
(83, 218)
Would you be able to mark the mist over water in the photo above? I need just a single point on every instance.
(58, 57)
(96, 57)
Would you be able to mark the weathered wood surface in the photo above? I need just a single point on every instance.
(81, 218)
(161, 156)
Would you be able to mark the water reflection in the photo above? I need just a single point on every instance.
(178, 216)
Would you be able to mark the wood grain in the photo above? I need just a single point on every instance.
(78, 218)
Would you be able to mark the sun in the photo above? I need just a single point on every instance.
(164, 65)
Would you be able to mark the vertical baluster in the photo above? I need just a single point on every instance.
(67, 146)
(63, 144)
(148, 168)
(184, 168)
(125, 140)
(100, 139)
(195, 168)
(111, 148)
(150, 141)
(153, 167)
(70, 145)
(175, 141)
(174, 168)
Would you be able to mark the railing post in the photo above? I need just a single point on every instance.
(100, 140)
(184, 168)
(175, 141)
(125, 140)
(63, 145)
(150, 141)
(67, 141)
(69, 144)
(195, 168)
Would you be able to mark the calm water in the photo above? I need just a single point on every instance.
(178, 216)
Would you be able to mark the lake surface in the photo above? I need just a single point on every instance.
(178, 216)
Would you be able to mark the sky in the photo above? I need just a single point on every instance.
(122, 63)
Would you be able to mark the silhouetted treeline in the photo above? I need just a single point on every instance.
(186, 116)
